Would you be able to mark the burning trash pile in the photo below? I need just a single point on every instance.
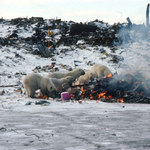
(99, 84)
(114, 88)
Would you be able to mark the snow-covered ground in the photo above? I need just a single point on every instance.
(70, 125)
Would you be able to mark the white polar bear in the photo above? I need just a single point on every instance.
(33, 82)
(96, 71)
(59, 82)
(74, 73)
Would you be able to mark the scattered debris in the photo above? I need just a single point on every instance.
(127, 89)
(41, 102)
(47, 68)
(65, 96)
(28, 103)
(2, 92)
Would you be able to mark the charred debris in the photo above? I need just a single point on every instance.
(118, 88)
(114, 88)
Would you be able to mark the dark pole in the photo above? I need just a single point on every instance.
(147, 15)
(129, 22)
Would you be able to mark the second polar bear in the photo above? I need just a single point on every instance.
(100, 70)
(59, 82)
(96, 71)
(74, 73)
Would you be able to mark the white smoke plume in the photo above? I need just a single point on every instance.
(136, 50)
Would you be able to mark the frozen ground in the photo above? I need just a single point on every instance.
(73, 126)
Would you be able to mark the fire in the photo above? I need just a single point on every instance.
(110, 75)
(83, 91)
(124, 88)
(137, 93)
(109, 97)
(43, 97)
(91, 97)
(101, 95)
(120, 100)
(95, 92)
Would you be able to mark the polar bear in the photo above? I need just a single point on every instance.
(100, 70)
(87, 76)
(74, 73)
(59, 82)
(96, 71)
(34, 81)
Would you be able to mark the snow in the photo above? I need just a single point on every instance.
(101, 25)
(74, 125)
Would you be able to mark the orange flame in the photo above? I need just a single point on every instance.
(137, 93)
(120, 100)
(83, 91)
(101, 95)
(110, 75)
(109, 97)
(91, 96)
(43, 97)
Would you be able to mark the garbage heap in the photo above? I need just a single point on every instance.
(43, 36)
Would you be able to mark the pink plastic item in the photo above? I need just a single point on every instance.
(65, 96)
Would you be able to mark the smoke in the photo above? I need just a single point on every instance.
(136, 49)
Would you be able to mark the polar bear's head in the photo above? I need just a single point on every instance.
(51, 89)
(70, 80)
